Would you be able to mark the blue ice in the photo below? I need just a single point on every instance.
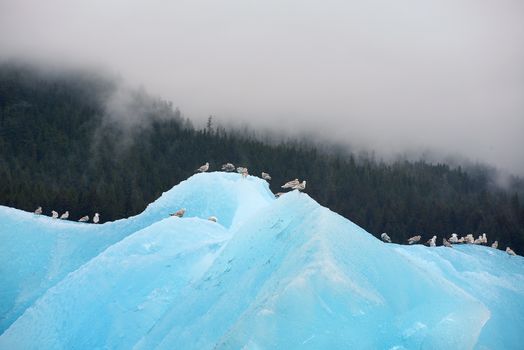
(270, 274)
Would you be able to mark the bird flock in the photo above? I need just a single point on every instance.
(301, 186)
(230, 167)
(454, 239)
(65, 216)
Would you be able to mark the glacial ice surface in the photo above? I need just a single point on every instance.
(270, 274)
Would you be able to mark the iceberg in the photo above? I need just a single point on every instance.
(270, 274)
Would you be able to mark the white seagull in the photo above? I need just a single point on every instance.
(179, 213)
(432, 242)
(96, 218)
(510, 251)
(54, 214)
(454, 238)
(414, 239)
(495, 245)
(300, 186)
(228, 167)
(266, 176)
(290, 184)
(385, 237)
(38, 211)
(241, 169)
(212, 218)
(203, 168)
(446, 243)
(84, 219)
(65, 215)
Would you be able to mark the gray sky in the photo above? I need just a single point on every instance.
(395, 76)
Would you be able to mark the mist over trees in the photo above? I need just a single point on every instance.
(78, 142)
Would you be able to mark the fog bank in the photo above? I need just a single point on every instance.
(396, 77)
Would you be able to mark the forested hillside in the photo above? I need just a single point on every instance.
(65, 144)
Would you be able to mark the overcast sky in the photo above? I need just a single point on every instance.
(395, 76)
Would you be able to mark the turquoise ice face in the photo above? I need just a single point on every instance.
(270, 273)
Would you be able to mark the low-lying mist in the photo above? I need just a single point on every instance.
(401, 77)
(128, 109)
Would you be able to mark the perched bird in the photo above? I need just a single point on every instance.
(454, 238)
(212, 218)
(84, 219)
(54, 214)
(479, 240)
(240, 169)
(385, 237)
(203, 168)
(228, 167)
(65, 215)
(510, 251)
(469, 239)
(461, 240)
(446, 243)
(495, 245)
(414, 239)
(96, 218)
(300, 186)
(432, 242)
(290, 184)
(266, 176)
(38, 211)
(179, 212)
(245, 173)
(484, 239)
(278, 194)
